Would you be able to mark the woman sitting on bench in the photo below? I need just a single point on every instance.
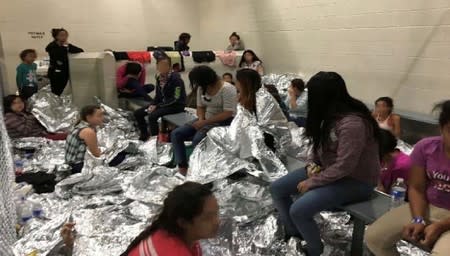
(344, 167)
(429, 200)
(216, 105)
(170, 99)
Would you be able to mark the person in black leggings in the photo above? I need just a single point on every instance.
(58, 50)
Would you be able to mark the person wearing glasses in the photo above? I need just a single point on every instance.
(216, 106)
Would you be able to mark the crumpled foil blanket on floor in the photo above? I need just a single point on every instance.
(111, 205)
(53, 112)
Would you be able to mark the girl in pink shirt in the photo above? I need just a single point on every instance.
(394, 163)
(190, 213)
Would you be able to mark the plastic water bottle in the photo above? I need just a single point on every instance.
(37, 210)
(398, 193)
(25, 211)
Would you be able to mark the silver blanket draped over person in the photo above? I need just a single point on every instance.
(241, 145)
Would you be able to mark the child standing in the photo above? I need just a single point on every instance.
(58, 50)
(26, 74)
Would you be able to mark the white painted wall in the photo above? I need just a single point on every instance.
(397, 48)
(218, 19)
(93, 25)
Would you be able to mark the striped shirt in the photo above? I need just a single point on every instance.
(75, 147)
(23, 124)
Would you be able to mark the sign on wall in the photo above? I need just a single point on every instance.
(36, 35)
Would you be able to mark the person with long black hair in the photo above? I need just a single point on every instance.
(344, 167)
(190, 213)
(58, 50)
(251, 61)
(216, 106)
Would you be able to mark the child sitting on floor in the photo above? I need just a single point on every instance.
(20, 123)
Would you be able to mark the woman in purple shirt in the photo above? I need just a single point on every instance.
(429, 199)
(345, 165)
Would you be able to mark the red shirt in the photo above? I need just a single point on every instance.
(161, 243)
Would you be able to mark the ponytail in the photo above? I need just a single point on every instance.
(236, 35)
(56, 31)
(183, 202)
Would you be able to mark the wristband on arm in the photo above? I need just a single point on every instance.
(418, 220)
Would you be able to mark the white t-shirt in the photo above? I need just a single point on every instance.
(253, 65)
(224, 100)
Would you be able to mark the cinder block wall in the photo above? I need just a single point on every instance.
(93, 25)
(382, 48)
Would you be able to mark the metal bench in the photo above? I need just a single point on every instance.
(179, 119)
(365, 213)
(132, 104)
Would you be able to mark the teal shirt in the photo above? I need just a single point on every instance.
(26, 75)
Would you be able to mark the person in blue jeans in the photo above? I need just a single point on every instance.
(216, 106)
(344, 167)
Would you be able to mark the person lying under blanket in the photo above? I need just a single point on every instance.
(20, 123)
(84, 136)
